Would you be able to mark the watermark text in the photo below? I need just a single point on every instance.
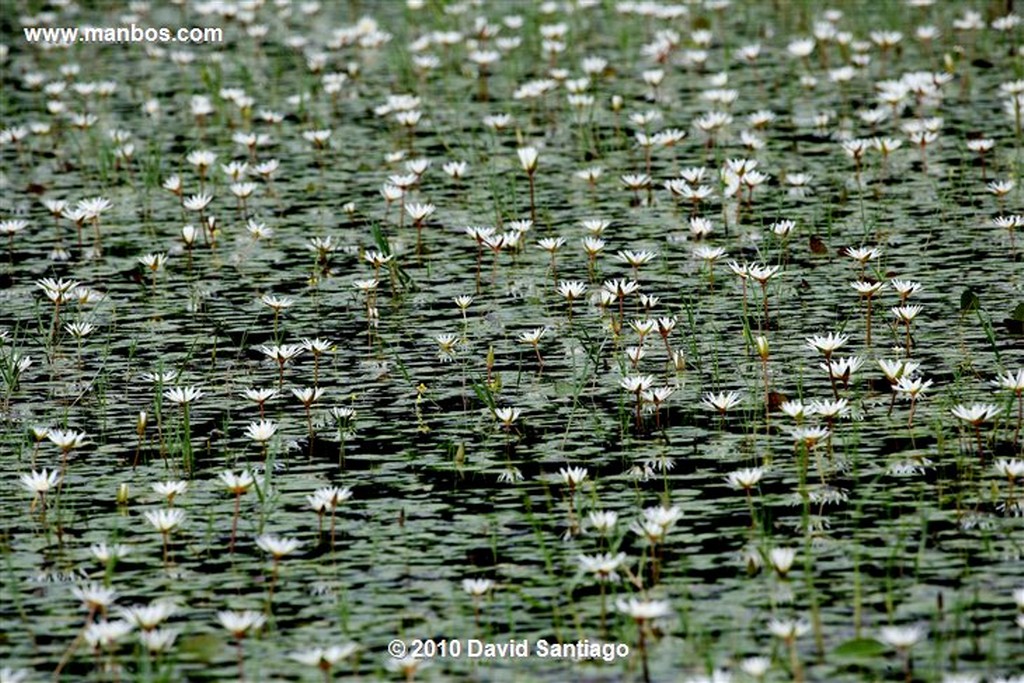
(473, 648)
(68, 35)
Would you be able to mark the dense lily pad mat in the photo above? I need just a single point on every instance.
(690, 337)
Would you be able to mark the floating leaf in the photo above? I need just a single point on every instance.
(204, 647)
(859, 648)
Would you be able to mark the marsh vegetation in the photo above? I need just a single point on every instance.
(697, 327)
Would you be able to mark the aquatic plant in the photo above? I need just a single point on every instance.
(237, 485)
(248, 214)
(240, 624)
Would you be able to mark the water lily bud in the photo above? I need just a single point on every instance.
(140, 423)
(678, 360)
(122, 494)
(761, 342)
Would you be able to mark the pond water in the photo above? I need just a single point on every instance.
(462, 379)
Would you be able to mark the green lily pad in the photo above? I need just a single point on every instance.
(859, 648)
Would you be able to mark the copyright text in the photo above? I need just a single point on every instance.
(473, 648)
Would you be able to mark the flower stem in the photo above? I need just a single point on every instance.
(1020, 418)
(533, 205)
(234, 522)
(794, 661)
(869, 322)
(186, 446)
(642, 646)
